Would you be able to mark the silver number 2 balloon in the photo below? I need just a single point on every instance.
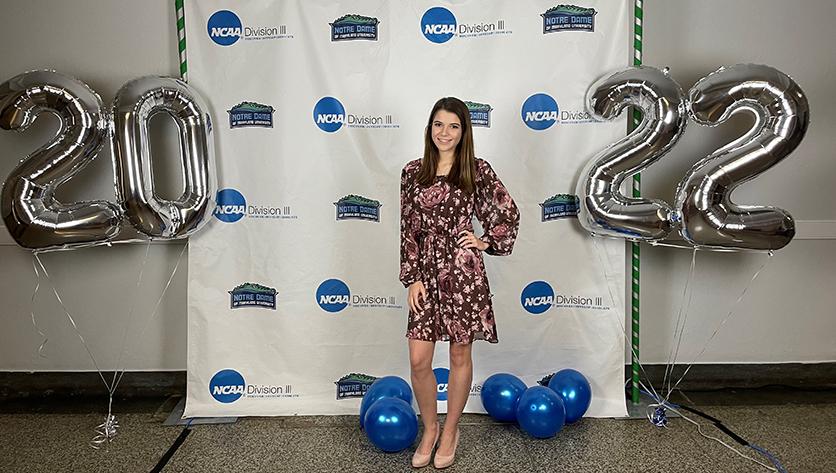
(604, 210)
(781, 114)
(34, 218)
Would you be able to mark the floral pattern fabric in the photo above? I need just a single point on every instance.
(458, 305)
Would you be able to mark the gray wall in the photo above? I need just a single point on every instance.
(787, 313)
(104, 43)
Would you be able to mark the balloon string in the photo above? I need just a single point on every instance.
(112, 386)
(598, 252)
(106, 431)
(656, 411)
(699, 429)
(32, 310)
(70, 318)
(689, 246)
(779, 467)
(156, 306)
(661, 405)
(683, 318)
(726, 319)
(683, 245)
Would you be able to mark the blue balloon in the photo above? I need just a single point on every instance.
(500, 394)
(387, 386)
(391, 424)
(575, 391)
(540, 412)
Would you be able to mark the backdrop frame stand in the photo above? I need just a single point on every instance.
(635, 270)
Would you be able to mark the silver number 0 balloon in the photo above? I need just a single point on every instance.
(136, 103)
(34, 218)
(604, 210)
(781, 116)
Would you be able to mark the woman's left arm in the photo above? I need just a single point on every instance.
(496, 211)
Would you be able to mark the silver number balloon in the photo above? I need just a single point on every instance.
(604, 210)
(136, 103)
(781, 114)
(34, 218)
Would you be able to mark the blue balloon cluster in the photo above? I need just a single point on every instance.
(387, 416)
(540, 411)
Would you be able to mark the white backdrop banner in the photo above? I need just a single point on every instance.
(294, 300)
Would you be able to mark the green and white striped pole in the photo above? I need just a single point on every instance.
(637, 185)
(181, 38)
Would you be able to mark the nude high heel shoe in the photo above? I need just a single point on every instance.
(420, 460)
(443, 461)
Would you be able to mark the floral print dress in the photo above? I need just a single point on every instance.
(458, 305)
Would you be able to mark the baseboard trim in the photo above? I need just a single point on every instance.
(707, 377)
(60, 384)
(701, 377)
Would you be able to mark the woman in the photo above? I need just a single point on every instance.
(441, 265)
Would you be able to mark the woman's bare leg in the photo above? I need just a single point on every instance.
(458, 390)
(424, 387)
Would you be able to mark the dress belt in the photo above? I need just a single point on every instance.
(454, 236)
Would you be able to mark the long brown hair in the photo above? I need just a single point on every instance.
(463, 172)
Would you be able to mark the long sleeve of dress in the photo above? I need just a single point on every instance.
(496, 211)
(410, 268)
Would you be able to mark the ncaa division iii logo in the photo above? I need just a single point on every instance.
(537, 297)
(442, 378)
(540, 112)
(227, 386)
(329, 114)
(333, 295)
(438, 24)
(231, 206)
(224, 27)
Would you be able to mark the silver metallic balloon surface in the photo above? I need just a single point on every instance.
(604, 210)
(781, 115)
(136, 103)
(34, 218)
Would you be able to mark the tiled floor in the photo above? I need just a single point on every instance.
(799, 427)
